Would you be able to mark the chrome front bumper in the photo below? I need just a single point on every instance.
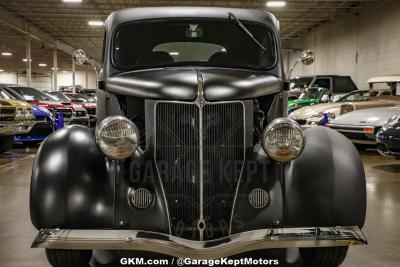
(24, 127)
(8, 128)
(183, 248)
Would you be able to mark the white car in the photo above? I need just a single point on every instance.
(361, 126)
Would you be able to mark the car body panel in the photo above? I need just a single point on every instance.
(181, 84)
(7, 118)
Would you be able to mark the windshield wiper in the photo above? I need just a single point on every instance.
(240, 24)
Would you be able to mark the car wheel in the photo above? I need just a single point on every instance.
(68, 258)
(323, 257)
(6, 142)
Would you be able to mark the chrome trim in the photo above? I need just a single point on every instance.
(183, 248)
(200, 103)
(338, 128)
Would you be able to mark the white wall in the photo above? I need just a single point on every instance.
(362, 47)
(85, 79)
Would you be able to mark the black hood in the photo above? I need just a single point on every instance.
(184, 83)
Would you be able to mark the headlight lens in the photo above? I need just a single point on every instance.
(117, 137)
(283, 139)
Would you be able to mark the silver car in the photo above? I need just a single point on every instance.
(361, 126)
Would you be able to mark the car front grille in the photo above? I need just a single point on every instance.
(66, 112)
(199, 155)
(91, 111)
(7, 114)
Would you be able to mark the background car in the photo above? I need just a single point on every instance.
(390, 82)
(356, 100)
(7, 124)
(44, 121)
(336, 84)
(311, 96)
(71, 114)
(361, 126)
(86, 102)
(388, 138)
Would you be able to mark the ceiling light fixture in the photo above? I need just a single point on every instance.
(42, 65)
(276, 3)
(7, 54)
(26, 60)
(72, 1)
(95, 23)
(174, 53)
(1, 70)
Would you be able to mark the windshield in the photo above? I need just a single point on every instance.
(76, 98)
(31, 94)
(300, 83)
(311, 93)
(193, 42)
(4, 94)
(358, 96)
(59, 96)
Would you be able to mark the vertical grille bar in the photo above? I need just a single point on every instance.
(177, 146)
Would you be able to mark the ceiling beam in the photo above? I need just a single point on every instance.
(24, 26)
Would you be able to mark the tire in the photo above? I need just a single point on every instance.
(68, 258)
(6, 142)
(323, 257)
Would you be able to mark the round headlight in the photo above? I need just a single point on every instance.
(283, 139)
(117, 137)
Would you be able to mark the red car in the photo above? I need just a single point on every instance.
(72, 114)
(83, 101)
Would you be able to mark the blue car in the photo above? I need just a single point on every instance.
(45, 125)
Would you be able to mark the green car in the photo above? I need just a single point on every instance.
(312, 96)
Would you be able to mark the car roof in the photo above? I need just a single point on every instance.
(384, 79)
(146, 13)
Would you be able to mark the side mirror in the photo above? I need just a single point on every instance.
(307, 57)
(79, 57)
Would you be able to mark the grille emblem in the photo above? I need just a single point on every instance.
(258, 198)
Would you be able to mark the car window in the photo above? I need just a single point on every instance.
(311, 93)
(4, 94)
(203, 42)
(322, 82)
(300, 82)
(31, 94)
(358, 96)
(343, 85)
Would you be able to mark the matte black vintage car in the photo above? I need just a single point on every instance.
(193, 156)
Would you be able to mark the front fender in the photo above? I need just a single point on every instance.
(72, 184)
(325, 185)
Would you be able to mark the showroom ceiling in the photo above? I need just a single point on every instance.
(68, 22)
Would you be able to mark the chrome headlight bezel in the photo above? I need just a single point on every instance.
(129, 138)
(291, 153)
